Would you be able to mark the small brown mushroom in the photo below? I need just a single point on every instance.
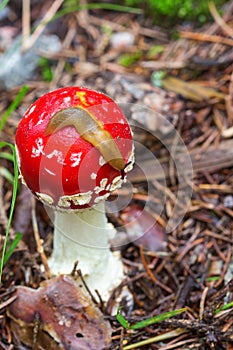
(58, 315)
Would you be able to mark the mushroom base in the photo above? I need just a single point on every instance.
(83, 237)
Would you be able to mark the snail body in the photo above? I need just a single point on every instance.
(91, 130)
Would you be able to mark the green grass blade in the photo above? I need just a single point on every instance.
(224, 307)
(156, 319)
(12, 247)
(3, 4)
(13, 200)
(13, 106)
(148, 321)
(120, 318)
(6, 155)
(7, 174)
(94, 6)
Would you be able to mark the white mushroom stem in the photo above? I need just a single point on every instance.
(84, 237)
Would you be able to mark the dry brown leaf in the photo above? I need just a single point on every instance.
(190, 90)
(142, 228)
(58, 315)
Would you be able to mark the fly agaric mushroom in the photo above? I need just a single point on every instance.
(74, 147)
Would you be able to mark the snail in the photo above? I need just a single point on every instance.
(91, 130)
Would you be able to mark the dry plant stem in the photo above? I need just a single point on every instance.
(145, 264)
(229, 106)
(150, 273)
(79, 272)
(219, 20)
(225, 268)
(47, 17)
(84, 237)
(217, 236)
(39, 241)
(26, 27)
(120, 27)
(226, 17)
(4, 304)
(188, 247)
(163, 64)
(61, 63)
(206, 37)
(202, 302)
(83, 18)
(171, 160)
(179, 344)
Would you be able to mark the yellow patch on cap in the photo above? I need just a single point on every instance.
(82, 97)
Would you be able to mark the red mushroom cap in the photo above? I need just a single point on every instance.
(62, 168)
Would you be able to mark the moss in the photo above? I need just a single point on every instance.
(175, 10)
(127, 60)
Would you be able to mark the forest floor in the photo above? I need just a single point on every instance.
(177, 89)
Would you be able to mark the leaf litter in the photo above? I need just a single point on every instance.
(190, 267)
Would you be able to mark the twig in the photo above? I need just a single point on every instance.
(7, 302)
(179, 344)
(165, 190)
(26, 20)
(101, 302)
(225, 267)
(121, 338)
(219, 20)
(115, 26)
(206, 37)
(173, 150)
(163, 64)
(218, 251)
(217, 236)
(226, 17)
(83, 18)
(39, 241)
(188, 247)
(229, 103)
(73, 272)
(61, 63)
(216, 187)
(209, 140)
(202, 302)
(86, 287)
(150, 273)
(47, 17)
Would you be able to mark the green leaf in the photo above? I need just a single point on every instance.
(46, 69)
(120, 318)
(155, 50)
(148, 321)
(127, 59)
(12, 247)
